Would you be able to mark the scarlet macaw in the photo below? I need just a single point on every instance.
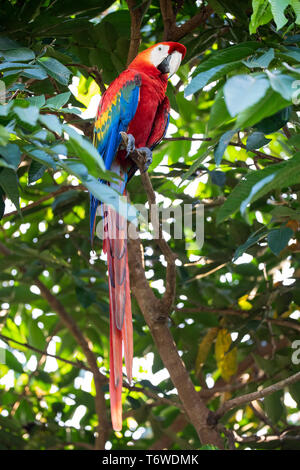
(135, 103)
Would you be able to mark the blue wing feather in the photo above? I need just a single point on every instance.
(115, 118)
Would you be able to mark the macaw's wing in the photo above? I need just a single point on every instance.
(117, 108)
(160, 124)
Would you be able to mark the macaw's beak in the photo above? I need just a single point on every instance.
(170, 64)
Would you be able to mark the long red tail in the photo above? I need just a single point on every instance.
(115, 245)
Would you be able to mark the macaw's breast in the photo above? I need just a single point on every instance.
(152, 93)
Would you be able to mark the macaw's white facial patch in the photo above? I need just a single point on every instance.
(175, 62)
(159, 53)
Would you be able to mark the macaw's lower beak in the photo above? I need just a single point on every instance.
(170, 64)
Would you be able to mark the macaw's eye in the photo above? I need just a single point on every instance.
(160, 48)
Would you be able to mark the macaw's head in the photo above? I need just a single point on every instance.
(162, 59)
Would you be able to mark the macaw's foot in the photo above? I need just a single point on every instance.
(142, 156)
(148, 157)
(130, 146)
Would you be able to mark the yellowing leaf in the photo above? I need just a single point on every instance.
(226, 361)
(204, 348)
(86, 90)
(244, 304)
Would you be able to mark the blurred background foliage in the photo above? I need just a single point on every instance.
(235, 117)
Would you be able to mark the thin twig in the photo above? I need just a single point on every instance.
(94, 72)
(59, 191)
(78, 364)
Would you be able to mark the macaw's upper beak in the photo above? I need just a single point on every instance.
(170, 64)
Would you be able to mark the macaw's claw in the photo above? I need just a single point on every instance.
(130, 144)
(148, 156)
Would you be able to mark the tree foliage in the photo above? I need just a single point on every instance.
(233, 145)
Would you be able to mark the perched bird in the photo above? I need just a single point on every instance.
(135, 103)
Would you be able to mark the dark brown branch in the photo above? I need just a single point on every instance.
(249, 397)
(276, 439)
(172, 32)
(136, 15)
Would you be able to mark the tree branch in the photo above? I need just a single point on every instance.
(78, 364)
(236, 312)
(169, 295)
(136, 15)
(258, 154)
(94, 72)
(242, 400)
(172, 32)
(61, 190)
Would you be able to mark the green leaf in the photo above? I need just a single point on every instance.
(222, 145)
(4, 135)
(273, 406)
(51, 122)
(261, 15)
(262, 61)
(258, 183)
(227, 55)
(283, 211)
(196, 164)
(256, 140)
(88, 154)
(296, 6)
(36, 171)
(267, 106)
(9, 184)
(283, 84)
(13, 55)
(202, 79)
(36, 337)
(85, 296)
(56, 70)
(40, 155)
(25, 413)
(279, 238)
(58, 101)
(252, 240)
(37, 101)
(294, 390)
(6, 44)
(106, 194)
(12, 155)
(219, 113)
(11, 361)
(274, 122)
(277, 8)
(27, 115)
(243, 91)
(35, 71)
